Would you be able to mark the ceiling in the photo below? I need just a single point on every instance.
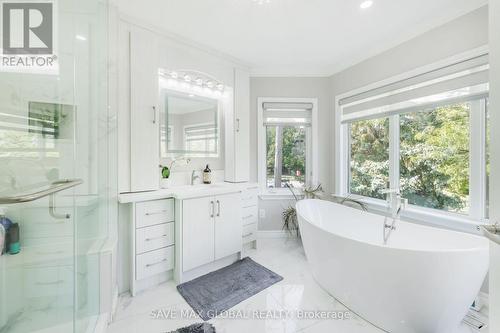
(297, 37)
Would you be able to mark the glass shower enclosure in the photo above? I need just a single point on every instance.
(56, 159)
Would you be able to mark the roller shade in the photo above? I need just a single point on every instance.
(287, 114)
(456, 83)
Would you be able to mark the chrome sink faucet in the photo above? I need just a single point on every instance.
(194, 176)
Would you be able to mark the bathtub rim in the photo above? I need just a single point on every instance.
(484, 248)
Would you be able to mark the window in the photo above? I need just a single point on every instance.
(369, 157)
(434, 157)
(426, 135)
(286, 143)
(286, 156)
(201, 138)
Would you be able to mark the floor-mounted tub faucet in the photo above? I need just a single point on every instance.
(396, 204)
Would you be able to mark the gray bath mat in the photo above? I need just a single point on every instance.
(211, 294)
(196, 328)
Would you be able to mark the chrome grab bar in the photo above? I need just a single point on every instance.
(55, 187)
(492, 232)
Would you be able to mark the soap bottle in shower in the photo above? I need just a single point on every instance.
(14, 239)
(5, 225)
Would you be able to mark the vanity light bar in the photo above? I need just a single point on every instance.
(195, 78)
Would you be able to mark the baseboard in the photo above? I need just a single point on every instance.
(114, 305)
(272, 234)
(102, 323)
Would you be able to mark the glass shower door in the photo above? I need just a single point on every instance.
(54, 126)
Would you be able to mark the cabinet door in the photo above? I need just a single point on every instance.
(238, 139)
(242, 109)
(197, 232)
(144, 117)
(228, 227)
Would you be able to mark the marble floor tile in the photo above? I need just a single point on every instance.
(296, 304)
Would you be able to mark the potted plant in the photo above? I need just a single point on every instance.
(165, 177)
(290, 221)
(166, 171)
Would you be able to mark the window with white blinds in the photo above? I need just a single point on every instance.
(287, 132)
(463, 81)
(426, 135)
(287, 114)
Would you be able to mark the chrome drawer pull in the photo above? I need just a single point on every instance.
(50, 283)
(156, 263)
(248, 235)
(156, 213)
(155, 238)
(247, 217)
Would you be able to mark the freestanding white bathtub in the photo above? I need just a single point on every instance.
(422, 281)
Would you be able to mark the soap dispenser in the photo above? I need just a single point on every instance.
(207, 175)
(5, 225)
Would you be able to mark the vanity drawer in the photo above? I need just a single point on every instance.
(155, 237)
(249, 197)
(249, 215)
(154, 262)
(154, 212)
(249, 233)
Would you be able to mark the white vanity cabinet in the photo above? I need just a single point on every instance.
(144, 111)
(250, 215)
(153, 241)
(209, 230)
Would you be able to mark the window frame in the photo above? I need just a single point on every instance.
(477, 156)
(311, 145)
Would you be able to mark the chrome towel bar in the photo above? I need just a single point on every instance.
(55, 187)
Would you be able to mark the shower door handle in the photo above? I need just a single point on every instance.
(154, 114)
(492, 232)
(237, 124)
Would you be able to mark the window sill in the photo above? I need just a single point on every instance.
(280, 194)
(428, 217)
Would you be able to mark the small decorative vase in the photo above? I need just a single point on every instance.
(165, 183)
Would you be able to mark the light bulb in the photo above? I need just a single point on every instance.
(366, 4)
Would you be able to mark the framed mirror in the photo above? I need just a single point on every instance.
(190, 125)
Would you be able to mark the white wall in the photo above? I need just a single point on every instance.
(495, 160)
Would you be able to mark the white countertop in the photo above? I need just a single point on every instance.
(186, 192)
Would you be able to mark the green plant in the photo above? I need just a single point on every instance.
(289, 216)
(165, 172)
(344, 200)
(290, 222)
